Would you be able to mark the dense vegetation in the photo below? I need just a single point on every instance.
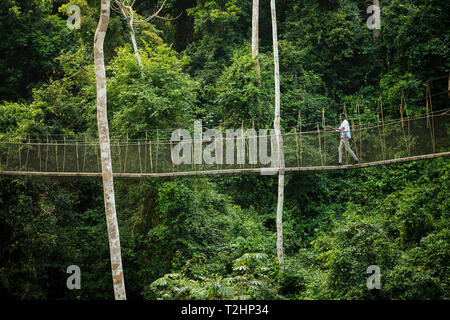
(214, 238)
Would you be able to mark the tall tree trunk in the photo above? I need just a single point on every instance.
(133, 41)
(279, 221)
(130, 20)
(135, 47)
(105, 149)
(255, 44)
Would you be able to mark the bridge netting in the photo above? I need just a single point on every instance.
(384, 140)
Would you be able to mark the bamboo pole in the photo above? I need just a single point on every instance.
(401, 117)
(78, 163)
(40, 155)
(382, 123)
(299, 123)
(46, 158)
(192, 155)
(119, 147)
(430, 114)
(355, 145)
(126, 155)
(407, 113)
(402, 101)
(360, 131)
(97, 151)
(320, 144)
(20, 158)
(85, 147)
(296, 147)
(379, 135)
(253, 127)
(433, 137)
(7, 155)
(28, 152)
(139, 155)
(242, 140)
(157, 149)
(221, 130)
(64, 155)
(324, 136)
(56, 156)
(150, 151)
(171, 160)
(145, 151)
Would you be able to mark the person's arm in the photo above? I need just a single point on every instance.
(335, 129)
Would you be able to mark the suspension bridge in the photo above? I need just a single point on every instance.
(378, 143)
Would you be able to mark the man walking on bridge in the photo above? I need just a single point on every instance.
(344, 129)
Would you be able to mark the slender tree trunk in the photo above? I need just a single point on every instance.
(255, 44)
(135, 47)
(130, 19)
(279, 221)
(103, 132)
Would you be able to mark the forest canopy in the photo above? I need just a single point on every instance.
(214, 237)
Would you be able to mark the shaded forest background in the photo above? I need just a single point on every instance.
(214, 238)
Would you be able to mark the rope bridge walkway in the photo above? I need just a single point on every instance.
(237, 151)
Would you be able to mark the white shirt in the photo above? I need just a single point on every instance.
(344, 128)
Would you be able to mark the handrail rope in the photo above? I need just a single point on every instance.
(112, 133)
(211, 126)
(364, 127)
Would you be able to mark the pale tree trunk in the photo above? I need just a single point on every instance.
(255, 36)
(130, 19)
(135, 47)
(103, 133)
(279, 221)
(125, 7)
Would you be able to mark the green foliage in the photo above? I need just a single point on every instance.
(238, 95)
(165, 98)
(66, 105)
(191, 221)
(415, 34)
(404, 234)
(409, 213)
(422, 272)
(19, 119)
(355, 246)
(32, 37)
(199, 238)
(248, 281)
